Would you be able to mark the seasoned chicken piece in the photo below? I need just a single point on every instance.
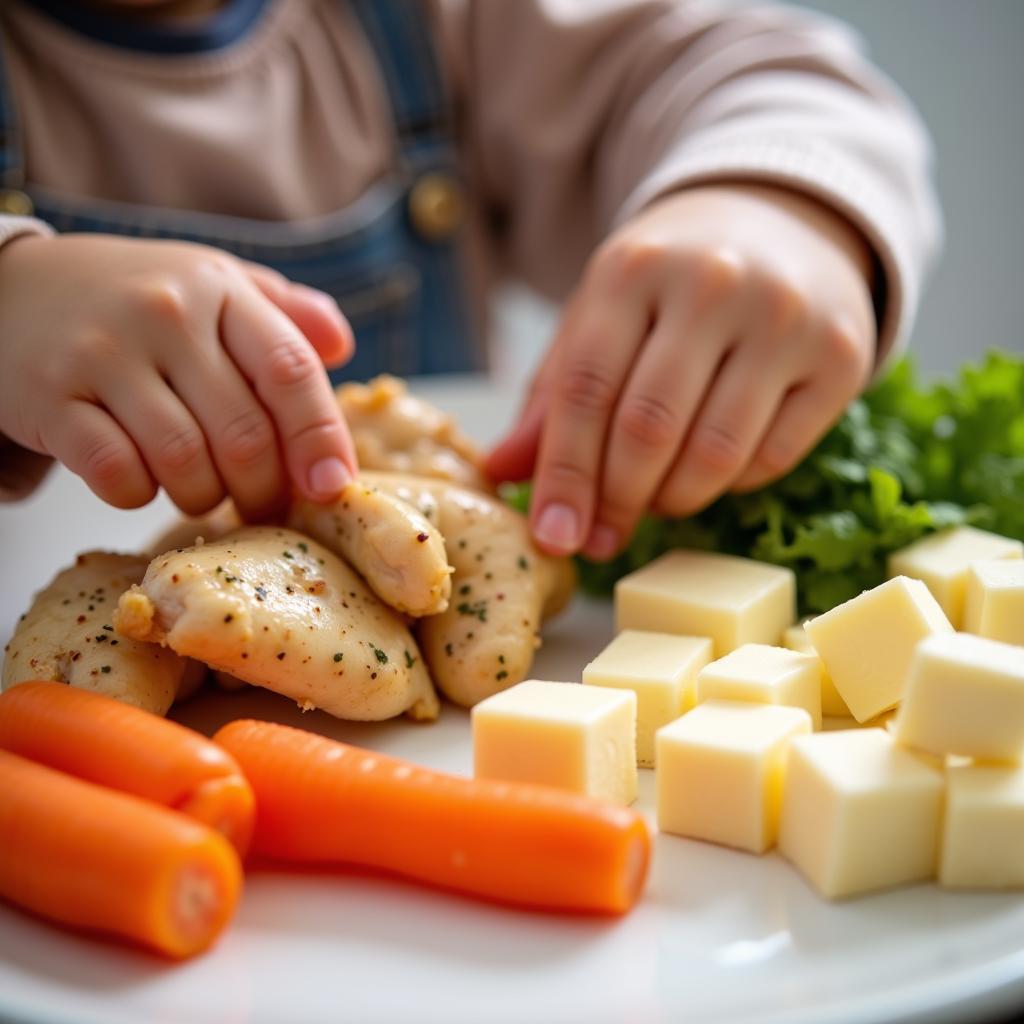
(274, 608)
(67, 636)
(501, 588)
(395, 548)
(391, 544)
(398, 432)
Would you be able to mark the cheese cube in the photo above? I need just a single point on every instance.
(697, 593)
(867, 643)
(765, 675)
(795, 638)
(661, 669)
(983, 835)
(859, 813)
(941, 561)
(965, 696)
(720, 772)
(994, 606)
(568, 735)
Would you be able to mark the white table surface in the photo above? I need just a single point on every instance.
(719, 935)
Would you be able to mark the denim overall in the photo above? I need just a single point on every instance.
(391, 259)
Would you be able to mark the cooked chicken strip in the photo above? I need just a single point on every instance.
(501, 588)
(395, 548)
(276, 609)
(67, 635)
(398, 432)
(391, 544)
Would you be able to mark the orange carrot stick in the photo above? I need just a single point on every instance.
(116, 745)
(93, 858)
(322, 801)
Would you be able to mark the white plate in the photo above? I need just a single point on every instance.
(719, 936)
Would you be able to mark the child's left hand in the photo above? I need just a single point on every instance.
(711, 342)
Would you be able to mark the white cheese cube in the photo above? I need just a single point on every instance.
(994, 606)
(796, 639)
(983, 834)
(965, 696)
(859, 813)
(697, 593)
(568, 735)
(765, 675)
(720, 772)
(941, 561)
(868, 642)
(661, 669)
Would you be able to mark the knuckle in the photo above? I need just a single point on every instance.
(788, 306)
(569, 475)
(320, 433)
(620, 264)
(106, 461)
(180, 448)
(649, 421)
(290, 363)
(716, 448)
(586, 387)
(845, 348)
(246, 437)
(717, 273)
(163, 301)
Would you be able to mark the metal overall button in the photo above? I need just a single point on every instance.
(437, 206)
(15, 203)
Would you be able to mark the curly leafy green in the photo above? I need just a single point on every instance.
(906, 459)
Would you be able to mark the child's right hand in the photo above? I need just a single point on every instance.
(140, 364)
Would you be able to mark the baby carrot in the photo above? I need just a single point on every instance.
(94, 858)
(116, 745)
(322, 801)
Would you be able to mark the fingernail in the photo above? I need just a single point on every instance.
(328, 478)
(558, 527)
(603, 542)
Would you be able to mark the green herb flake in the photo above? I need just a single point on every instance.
(409, 660)
(380, 655)
(338, 656)
(476, 609)
(105, 669)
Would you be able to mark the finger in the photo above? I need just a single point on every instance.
(90, 442)
(314, 312)
(238, 430)
(657, 407)
(595, 350)
(514, 457)
(167, 437)
(728, 428)
(271, 352)
(813, 404)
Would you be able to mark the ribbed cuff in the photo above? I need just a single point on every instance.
(16, 227)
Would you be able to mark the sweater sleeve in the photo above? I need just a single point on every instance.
(579, 113)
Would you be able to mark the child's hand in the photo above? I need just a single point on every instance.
(141, 364)
(711, 342)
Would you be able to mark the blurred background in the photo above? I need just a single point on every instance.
(962, 64)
